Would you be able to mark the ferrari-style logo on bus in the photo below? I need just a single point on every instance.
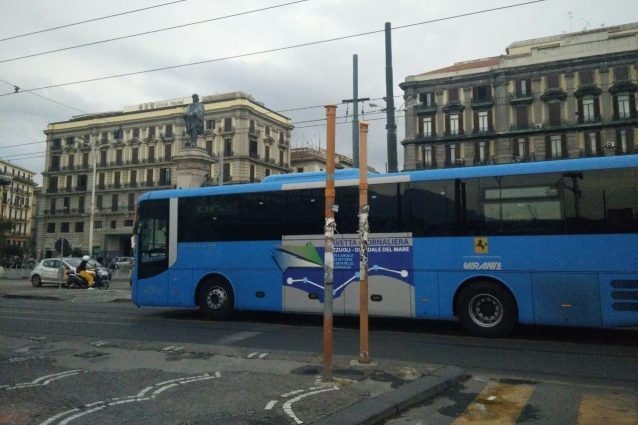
(480, 245)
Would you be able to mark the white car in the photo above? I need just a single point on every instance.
(48, 270)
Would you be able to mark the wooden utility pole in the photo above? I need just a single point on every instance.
(363, 243)
(329, 232)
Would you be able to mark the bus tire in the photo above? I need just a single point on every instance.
(216, 300)
(487, 309)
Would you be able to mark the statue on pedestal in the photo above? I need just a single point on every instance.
(194, 120)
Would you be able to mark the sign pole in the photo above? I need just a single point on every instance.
(329, 232)
(364, 209)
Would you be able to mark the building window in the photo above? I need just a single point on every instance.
(426, 99)
(556, 148)
(79, 227)
(452, 154)
(64, 227)
(118, 134)
(71, 161)
(50, 227)
(97, 225)
(554, 113)
(210, 124)
(592, 144)
(52, 204)
(267, 153)
(168, 153)
(623, 106)
(252, 173)
(135, 155)
(586, 76)
(281, 157)
(522, 121)
(228, 147)
(165, 176)
(151, 132)
(69, 183)
(66, 204)
(131, 202)
(425, 127)
(113, 224)
(114, 202)
(553, 81)
(116, 180)
(151, 154)
(128, 223)
(226, 172)
(252, 149)
(621, 73)
(588, 110)
(429, 159)
(133, 178)
(482, 124)
(481, 93)
(103, 157)
(149, 177)
(454, 124)
(81, 201)
(99, 202)
(168, 130)
(55, 163)
(267, 131)
(267, 173)
(481, 152)
(136, 133)
(228, 124)
(119, 155)
(624, 141)
(209, 147)
(101, 180)
(523, 88)
(521, 149)
(251, 126)
(453, 95)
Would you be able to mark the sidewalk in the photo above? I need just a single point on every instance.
(366, 394)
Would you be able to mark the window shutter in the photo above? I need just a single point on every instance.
(515, 149)
(632, 105)
(490, 123)
(548, 147)
(476, 122)
(433, 127)
(420, 126)
(433, 155)
(528, 84)
(614, 101)
(597, 109)
(563, 145)
(580, 111)
(447, 124)
(448, 160)
(630, 140)
(461, 127)
(599, 144)
(477, 157)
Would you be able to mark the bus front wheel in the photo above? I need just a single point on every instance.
(487, 309)
(216, 300)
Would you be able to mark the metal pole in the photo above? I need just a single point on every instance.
(355, 110)
(221, 166)
(92, 219)
(363, 243)
(389, 96)
(329, 232)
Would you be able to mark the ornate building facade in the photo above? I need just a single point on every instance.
(17, 197)
(564, 96)
(119, 155)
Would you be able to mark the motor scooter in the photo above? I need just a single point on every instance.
(75, 281)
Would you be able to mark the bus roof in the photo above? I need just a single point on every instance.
(351, 176)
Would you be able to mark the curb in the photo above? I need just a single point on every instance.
(32, 297)
(374, 410)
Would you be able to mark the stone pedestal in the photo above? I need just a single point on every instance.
(192, 167)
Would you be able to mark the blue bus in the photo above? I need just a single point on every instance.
(552, 243)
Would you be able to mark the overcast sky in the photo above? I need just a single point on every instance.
(294, 78)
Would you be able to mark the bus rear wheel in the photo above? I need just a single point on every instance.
(216, 299)
(487, 309)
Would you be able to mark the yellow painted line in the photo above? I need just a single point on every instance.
(497, 404)
(616, 409)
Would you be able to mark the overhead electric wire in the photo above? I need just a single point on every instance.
(219, 18)
(90, 20)
(16, 87)
(278, 49)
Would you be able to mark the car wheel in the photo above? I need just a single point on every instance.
(216, 299)
(36, 281)
(487, 309)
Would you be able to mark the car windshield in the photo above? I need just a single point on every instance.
(73, 262)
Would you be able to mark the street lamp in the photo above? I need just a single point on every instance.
(92, 219)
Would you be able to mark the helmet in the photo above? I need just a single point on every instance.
(86, 258)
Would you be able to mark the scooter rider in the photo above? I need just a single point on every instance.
(82, 270)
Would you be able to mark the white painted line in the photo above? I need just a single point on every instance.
(144, 391)
(86, 412)
(263, 355)
(236, 337)
(162, 389)
(169, 348)
(251, 355)
(270, 404)
(180, 379)
(288, 405)
(59, 415)
(218, 374)
(42, 378)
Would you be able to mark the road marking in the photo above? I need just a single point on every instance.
(287, 406)
(614, 409)
(160, 387)
(172, 349)
(82, 322)
(263, 355)
(99, 343)
(497, 404)
(236, 337)
(43, 380)
(257, 355)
